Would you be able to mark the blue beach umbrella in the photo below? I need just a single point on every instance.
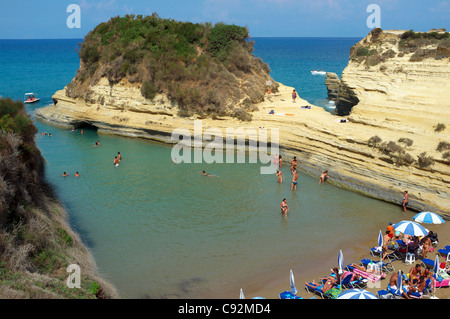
(428, 218)
(356, 294)
(242, 295)
(410, 228)
(341, 262)
(293, 289)
(380, 239)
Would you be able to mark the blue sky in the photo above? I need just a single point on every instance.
(46, 19)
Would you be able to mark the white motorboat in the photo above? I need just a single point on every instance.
(318, 72)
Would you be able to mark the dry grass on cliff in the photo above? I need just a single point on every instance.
(36, 242)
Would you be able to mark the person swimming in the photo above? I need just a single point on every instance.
(77, 174)
(97, 143)
(65, 174)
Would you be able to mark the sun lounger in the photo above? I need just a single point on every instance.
(444, 252)
(384, 294)
(316, 290)
(289, 295)
(386, 267)
(442, 283)
(349, 283)
(428, 262)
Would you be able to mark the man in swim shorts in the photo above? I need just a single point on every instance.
(116, 161)
(405, 200)
(279, 176)
(294, 180)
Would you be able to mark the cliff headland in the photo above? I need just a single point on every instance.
(395, 93)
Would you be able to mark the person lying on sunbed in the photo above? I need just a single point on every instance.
(372, 271)
(323, 287)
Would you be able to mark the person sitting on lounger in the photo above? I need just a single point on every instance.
(392, 286)
(323, 287)
(414, 274)
(335, 278)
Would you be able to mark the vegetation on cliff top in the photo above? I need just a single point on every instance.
(201, 67)
(36, 243)
(419, 45)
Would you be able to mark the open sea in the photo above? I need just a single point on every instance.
(161, 230)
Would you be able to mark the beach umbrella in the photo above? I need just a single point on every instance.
(436, 270)
(428, 218)
(341, 262)
(242, 295)
(293, 289)
(380, 244)
(356, 294)
(399, 283)
(410, 228)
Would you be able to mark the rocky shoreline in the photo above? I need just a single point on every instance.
(388, 143)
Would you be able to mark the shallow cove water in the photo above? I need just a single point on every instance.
(161, 230)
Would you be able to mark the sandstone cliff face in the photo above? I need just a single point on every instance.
(389, 145)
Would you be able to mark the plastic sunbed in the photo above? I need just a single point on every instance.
(289, 295)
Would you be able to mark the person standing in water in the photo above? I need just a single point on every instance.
(77, 174)
(323, 177)
(119, 156)
(116, 161)
(294, 164)
(294, 180)
(280, 161)
(284, 207)
(405, 200)
(279, 176)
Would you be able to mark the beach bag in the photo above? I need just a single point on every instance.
(334, 292)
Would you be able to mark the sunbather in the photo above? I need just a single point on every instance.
(335, 278)
(371, 271)
(323, 287)
(392, 287)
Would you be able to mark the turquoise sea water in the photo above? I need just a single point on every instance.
(162, 230)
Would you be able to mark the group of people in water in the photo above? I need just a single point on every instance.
(294, 163)
(116, 161)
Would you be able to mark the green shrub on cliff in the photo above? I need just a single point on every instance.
(184, 60)
(36, 243)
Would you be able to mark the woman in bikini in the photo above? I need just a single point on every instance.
(284, 207)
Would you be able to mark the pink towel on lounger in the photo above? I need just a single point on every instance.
(369, 276)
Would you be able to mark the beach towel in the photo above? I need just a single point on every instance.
(334, 292)
(372, 277)
(442, 283)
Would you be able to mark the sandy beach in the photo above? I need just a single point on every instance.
(353, 252)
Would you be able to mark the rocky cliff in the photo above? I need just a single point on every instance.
(396, 137)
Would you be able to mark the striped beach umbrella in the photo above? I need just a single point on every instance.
(293, 289)
(341, 262)
(410, 228)
(356, 294)
(428, 218)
